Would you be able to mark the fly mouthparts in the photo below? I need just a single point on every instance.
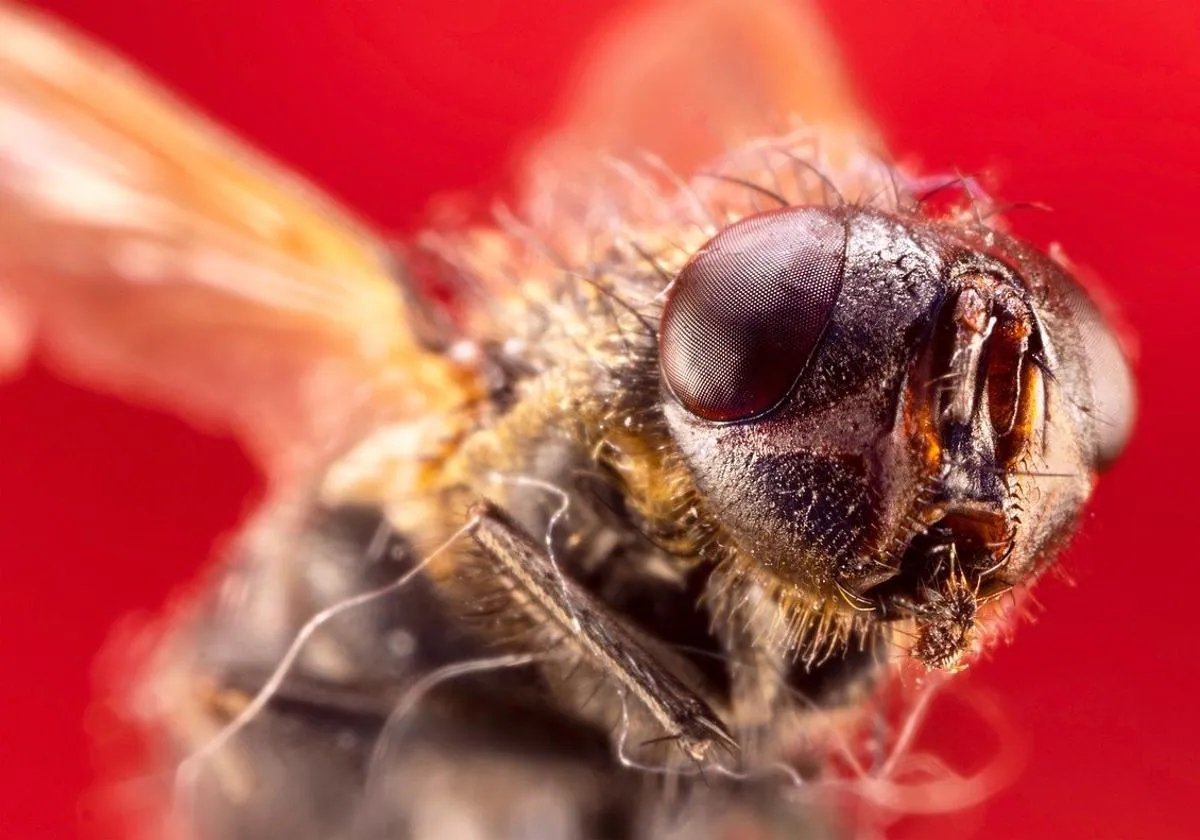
(946, 624)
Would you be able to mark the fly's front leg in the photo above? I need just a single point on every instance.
(391, 720)
(603, 641)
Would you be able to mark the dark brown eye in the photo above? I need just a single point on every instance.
(747, 310)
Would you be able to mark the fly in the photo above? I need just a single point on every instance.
(613, 518)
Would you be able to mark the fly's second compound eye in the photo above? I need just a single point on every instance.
(1114, 397)
(746, 312)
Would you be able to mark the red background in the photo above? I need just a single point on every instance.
(1091, 108)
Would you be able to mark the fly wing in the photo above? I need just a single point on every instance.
(689, 80)
(688, 114)
(147, 252)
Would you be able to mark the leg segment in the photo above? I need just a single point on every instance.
(610, 645)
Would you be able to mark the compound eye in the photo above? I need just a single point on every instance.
(747, 310)
(1114, 398)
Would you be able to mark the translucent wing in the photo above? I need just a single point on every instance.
(145, 251)
(688, 80)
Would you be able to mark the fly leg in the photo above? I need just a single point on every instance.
(602, 639)
(392, 722)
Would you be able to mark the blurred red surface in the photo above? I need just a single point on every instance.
(1092, 108)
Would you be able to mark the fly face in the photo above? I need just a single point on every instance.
(897, 415)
